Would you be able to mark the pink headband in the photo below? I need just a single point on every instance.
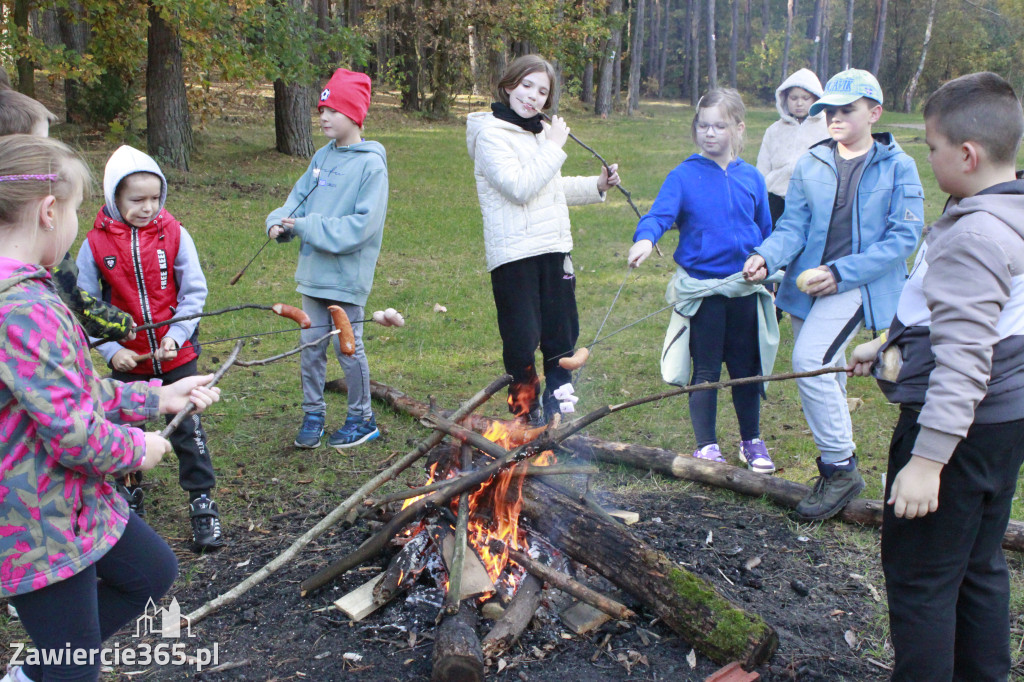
(50, 177)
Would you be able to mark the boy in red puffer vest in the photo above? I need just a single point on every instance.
(139, 258)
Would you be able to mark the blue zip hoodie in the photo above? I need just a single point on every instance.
(888, 219)
(341, 223)
(722, 215)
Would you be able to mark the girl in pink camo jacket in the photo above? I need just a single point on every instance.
(74, 561)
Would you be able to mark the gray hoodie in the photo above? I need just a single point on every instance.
(788, 139)
(960, 321)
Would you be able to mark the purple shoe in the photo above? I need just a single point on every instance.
(754, 454)
(710, 453)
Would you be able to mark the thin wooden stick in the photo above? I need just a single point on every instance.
(453, 598)
(281, 356)
(191, 406)
(567, 584)
(345, 507)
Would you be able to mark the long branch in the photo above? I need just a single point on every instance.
(191, 406)
(345, 507)
(281, 356)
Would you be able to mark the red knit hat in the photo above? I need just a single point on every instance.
(349, 93)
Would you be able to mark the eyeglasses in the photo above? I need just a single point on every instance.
(719, 127)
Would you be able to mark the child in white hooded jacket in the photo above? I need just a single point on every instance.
(791, 136)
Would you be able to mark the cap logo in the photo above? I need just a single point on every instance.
(843, 85)
(325, 95)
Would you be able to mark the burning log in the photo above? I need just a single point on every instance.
(708, 621)
(570, 586)
(517, 617)
(457, 654)
(403, 570)
(474, 580)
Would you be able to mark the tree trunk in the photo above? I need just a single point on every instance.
(603, 102)
(790, 10)
(694, 52)
(25, 68)
(587, 85)
(747, 7)
(74, 33)
(908, 100)
(709, 622)
(712, 51)
(734, 42)
(815, 37)
(882, 8)
(848, 37)
(823, 64)
(168, 127)
(664, 48)
(293, 126)
(766, 20)
(636, 56)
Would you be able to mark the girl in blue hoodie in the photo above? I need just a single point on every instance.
(720, 204)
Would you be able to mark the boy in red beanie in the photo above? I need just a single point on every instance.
(337, 210)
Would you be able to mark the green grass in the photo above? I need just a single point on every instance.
(433, 253)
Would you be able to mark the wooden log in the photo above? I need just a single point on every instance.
(517, 617)
(453, 597)
(403, 570)
(457, 654)
(568, 585)
(712, 624)
(778, 490)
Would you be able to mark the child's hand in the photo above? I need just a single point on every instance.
(123, 360)
(915, 490)
(639, 252)
(609, 177)
(823, 284)
(130, 336)
(863, 358)
(174, 397)
(156, 447)
(755, 269)
(275, 231)
(557, 131)
(168, 349)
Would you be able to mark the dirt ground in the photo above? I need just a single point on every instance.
(808, 583)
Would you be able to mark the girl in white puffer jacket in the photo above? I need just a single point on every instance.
(524, 200)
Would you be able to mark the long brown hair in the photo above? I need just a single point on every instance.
(520, 68)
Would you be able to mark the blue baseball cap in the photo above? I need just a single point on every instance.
(848, 86)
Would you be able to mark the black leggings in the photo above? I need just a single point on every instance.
(725, 330)
(83, 611)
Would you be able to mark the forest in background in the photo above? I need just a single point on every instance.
(117, 59)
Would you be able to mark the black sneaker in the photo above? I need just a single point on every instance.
(832, 491)
(205, 525)
(131, 491)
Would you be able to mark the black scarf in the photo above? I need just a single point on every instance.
(504, 112)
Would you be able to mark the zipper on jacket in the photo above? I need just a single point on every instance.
(140, 286)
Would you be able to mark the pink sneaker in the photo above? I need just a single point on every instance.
(709, 452)
(755, 455)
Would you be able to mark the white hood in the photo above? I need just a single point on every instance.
(804, 78)
(122, 163)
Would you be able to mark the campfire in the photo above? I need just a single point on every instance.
(494, 522)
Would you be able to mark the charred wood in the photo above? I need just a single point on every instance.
(457, 654)
(516, 619)
(403, 570)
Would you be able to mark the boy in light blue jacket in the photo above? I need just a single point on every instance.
(337, 210)
(854, 213)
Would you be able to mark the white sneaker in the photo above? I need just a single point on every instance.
(15, 674)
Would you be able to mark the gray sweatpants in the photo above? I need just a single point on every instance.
(314, 360)
(824, 397)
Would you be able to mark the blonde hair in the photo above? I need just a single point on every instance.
(520, 68)
(20, 113)
(32, 168)
(733, 109)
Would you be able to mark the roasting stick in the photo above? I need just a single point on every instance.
(348, 505)
(187, 411)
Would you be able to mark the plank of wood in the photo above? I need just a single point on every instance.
(475, 580)
(358, 603)
(581, 617)
(627, 517)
